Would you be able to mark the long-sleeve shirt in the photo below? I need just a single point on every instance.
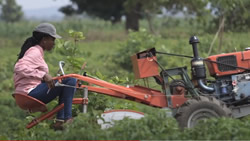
(30, 70)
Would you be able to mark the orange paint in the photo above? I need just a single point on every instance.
(242, 60)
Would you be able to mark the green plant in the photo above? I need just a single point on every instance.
(69, 48)
(136, 42)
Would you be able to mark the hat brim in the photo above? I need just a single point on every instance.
(56, 36)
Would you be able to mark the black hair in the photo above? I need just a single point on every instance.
(31, 41)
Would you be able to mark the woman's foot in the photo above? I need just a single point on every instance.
(58, 125)
(70, 120)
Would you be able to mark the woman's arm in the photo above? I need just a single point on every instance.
(32, 64)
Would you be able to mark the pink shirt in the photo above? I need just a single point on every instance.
(29, 70)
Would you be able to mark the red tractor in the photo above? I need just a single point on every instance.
(190, 99)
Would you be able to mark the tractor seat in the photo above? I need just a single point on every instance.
(29, 103)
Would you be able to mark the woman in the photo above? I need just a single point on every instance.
(31, 73)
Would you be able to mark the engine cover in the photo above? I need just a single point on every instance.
(237, 59)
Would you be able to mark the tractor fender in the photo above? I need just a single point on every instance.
(107, 118)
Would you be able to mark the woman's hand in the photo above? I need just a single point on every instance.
(49, 80)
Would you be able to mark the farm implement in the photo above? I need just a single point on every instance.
(190, 99)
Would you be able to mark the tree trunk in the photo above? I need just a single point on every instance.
(132, 18)
(149, 19)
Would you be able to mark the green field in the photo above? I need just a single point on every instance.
(101, 49)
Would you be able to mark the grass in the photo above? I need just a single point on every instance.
(99, 50)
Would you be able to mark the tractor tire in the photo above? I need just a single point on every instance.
(199, 108)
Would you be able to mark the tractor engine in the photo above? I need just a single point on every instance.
(231, 72)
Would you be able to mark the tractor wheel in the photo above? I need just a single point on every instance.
(199, 108)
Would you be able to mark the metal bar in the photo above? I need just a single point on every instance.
(85, 96)
(225, 64)
(118, 88)
(203, 60)
(171, 54)
(45, 116)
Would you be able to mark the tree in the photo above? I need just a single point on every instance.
(236, 14)
(108, 10)
(133, 9)
(11, 12)
(136, 9)
(133, 13)
(111, 10)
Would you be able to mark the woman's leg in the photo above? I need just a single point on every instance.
(40, 93)
(65, 96)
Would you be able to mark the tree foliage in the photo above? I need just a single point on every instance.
(111, 10)
(207, 12)
(235, 12)
(11, 12)
(108, 10)
(211, 12)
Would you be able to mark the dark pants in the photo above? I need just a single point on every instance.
(65, 94)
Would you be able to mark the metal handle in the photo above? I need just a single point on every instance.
(61, 64)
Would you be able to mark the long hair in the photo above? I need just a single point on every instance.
(30, 42)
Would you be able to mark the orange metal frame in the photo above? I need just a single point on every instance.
(139, 94)
(136, 93)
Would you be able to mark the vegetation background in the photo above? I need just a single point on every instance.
(106, 46)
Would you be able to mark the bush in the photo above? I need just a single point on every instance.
(136, 42)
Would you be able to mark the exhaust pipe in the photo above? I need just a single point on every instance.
(197, 66)
(204, 87)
